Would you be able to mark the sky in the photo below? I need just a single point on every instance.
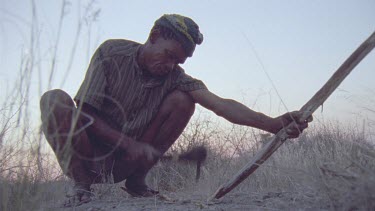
(270, 55)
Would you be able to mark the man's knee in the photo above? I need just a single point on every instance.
(181, 102)
(56, 108)
(56, 97)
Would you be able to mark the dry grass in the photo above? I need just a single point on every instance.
(328, 167)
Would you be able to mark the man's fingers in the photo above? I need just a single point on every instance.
(310, 119)
(292, 133)
(289, 117)
(142, 151)
(295, 130)
(152, 153)
(303, 126)
(297, 126)
(296, 116)
(157, 154)
(150, 157)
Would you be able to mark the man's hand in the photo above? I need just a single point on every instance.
(138, 151)
(287, 118)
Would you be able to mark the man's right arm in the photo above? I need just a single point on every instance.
(104, 132)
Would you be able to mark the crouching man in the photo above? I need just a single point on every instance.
(133, 104)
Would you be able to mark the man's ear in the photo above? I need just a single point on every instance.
(155, 34)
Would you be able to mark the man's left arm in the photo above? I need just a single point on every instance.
(238, 113)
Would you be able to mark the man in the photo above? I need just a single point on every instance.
(132, 106)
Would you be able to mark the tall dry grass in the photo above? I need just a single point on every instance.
(29, 173)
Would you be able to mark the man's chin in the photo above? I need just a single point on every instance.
(158, 73)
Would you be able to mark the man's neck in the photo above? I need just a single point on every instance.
(141, 58)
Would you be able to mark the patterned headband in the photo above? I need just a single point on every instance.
(185, 29)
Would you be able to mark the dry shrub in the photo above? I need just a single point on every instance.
(329, 166)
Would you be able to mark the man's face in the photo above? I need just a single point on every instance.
(164, 56)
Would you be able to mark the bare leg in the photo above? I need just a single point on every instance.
(172, 118)
(70, 146)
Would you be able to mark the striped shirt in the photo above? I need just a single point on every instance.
(120, 90)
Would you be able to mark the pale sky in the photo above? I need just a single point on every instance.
(300, 44)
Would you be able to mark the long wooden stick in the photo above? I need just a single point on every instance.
(309, 108)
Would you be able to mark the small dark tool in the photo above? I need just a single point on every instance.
(197, 154)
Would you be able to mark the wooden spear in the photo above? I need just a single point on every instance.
(309, 108)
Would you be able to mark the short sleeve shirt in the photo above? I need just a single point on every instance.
(121, 91)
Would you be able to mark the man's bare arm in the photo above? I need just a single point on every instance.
(104, 132)
(238, 113)
(232, 110)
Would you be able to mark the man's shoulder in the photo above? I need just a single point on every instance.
(178, 70)
(114, 47)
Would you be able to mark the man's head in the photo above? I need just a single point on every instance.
(184, 29)
(172, 39)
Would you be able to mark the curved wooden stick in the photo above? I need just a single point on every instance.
(309, 108)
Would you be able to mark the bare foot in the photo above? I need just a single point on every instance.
(78, 197)
(143, 191)
(138, 189)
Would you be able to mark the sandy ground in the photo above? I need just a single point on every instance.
(196, 201)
